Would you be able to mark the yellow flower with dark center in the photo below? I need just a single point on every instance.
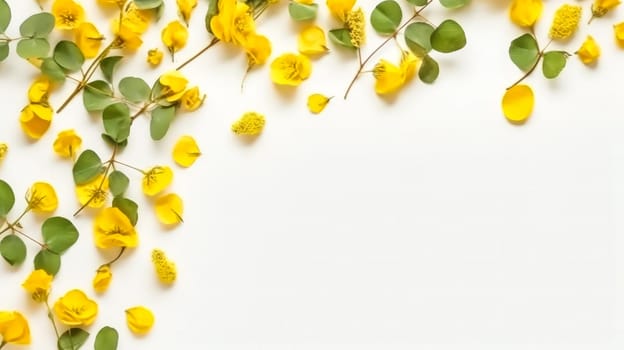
(356, 24)
(102, 278)
(139, 319)
(166, 270)
(112, 228)
(93, 194)
(133, 19)
(174, 85)
(565, 23)
(340, 8)
(312, 41)
(75, 309)
(14, 328)
(290, 69)
(41, 198)
(185, 7)
(39, 90)
(186, 151)
(251, 123)
(154, 57)
(389, 78)
(525, 12)
(38, 285)
(601, 7)
(589, 51)
(156, 179)
(88, 39)
(258, 49)
(67, 143)
(68, 14)
(126, 38)
(192, 99)
(35, 119)
(233, 23)
(174, 36)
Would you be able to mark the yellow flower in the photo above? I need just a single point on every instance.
(589, 51)
(186, 8)
(126, 38)
(186, 151)
(165, 269)
(93, 194)
(192, 99)
(290, 69)
(601, 7)
(233, 23)
(356, 24)
(134, 19)
(68, 14)
(118, 3)
(258, 49)
(67, 143)
(102, 278)
(518, 103)
(156, 180)
(39, 90)
(41, 198)
(154, 57)
(317, 103)
(389, 78)
(14, 328)
(88, 39)
(75, 309)
(525, 12)
(251, 123)
(35, 119)
(565, 23)
(312, 41)
(174, 85)
(340, 8)
(112, 228)
(169, 209)
(174, 36)
(618, 30)
(139, 319)
(38, 285)
(4, 148)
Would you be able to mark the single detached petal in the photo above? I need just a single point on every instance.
(186, 151)
(169, 209)
(518, 103)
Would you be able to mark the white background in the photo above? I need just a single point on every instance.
(426, 221)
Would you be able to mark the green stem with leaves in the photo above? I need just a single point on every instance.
(109, 164)
(539, 57)
(51, 318)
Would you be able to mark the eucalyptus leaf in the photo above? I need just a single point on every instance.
(5, 16)
(118, 183)
(386, 17)
(429, 70)
(117, 122)
(59, 234)
(554, 62)
(341, 37)
(48, 261)
(134, 89)
(7, 198)
(97, 95)
(147, 4)
(108, 67)
(106, 339)
(302, 12)
(13, 250)
(68, 55)
(160, 121)
(72, 339)
(448, 37)
(418, 38)
(212, 11)
(128, 207)
(524, 51)
(418, 2)
(37, 26)
(32, 48)
(87, 167)
(4, 50)
(52, 70)
(454, 4)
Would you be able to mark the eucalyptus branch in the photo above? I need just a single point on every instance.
(108, 168)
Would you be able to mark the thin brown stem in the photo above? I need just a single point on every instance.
(123, 249)
(29, 237)
(212, 43)
(130, 166)
(540, 55)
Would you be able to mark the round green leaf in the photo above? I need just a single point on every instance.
(4, 50)
(448, 37)
(72, 339)
(106, 339)
(128, 207)
(5, 16)
(50, 69)
(161, 120)
(116, 118)
(59, 234)
(418, 2)
(33, 48)
(108, 67)
(48, 261)
(38, 25)
(147, 4)
(418, 38)
(7, 198)
(118, 183)
(302, 12)
(386, 17)
(87, 167)
(429, 70)
(134, 89)
(554, 62)
(97, 95)
(454, 4)
(13, 250)
(341, 37)
(68, 55)
(523, 51)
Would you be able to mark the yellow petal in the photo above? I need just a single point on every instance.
(589, 51)
(42, 198)
(93, 194)
(312, 41)
(139, 319)
(317, 103)
(68, 14)
(340, 8)
(67, 143)
(75, 309)
(112, 228)
(154, 57)
(186, 151)
(618, 30)
(174, 36)
(156, 180)
(102, 279)
(525, 12)
(14, 328)
(169, 209)
(518, 103)
(290, 69)
(88, 39)
(35, 119)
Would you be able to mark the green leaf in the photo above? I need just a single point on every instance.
(418, 2)
(37, 26)
(116, 118)
(523, 51)
(87, 167)
(50, 69)
(302, 12)
(7, 198)
(118, 183)
(418, 38)
(13, 250)
(108, 67)
(97, 95)
(386, 17)
(4, 50)
(68, 55)
(72, 339)
(134, 89)
(5, 16)
(341, 37)
(212, 11)
(429, 70)
(59, 234)
(33, 48)
(147, 4)
(106, 339)
(161, 120)
(554, 62)
(109, 140)
(128, 207)
(454, 4)
(448, 37)
(48, 261)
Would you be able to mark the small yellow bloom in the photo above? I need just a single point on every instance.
(4, 148)
(518, 103)
(126, 38)
(14, 328)
(185, 7)
(174, 85)
(39, 90)
(589, 51)
(525, 12)
(340, 8)
(102, 278)
(601, 7)
(67, 143)
(317, 103)
(389, 78)
(251, 123)
(154, 57)
(186, 151)
(88, 39)
(35, 119)
(156, 180)
(112, 228)
(258, 49)
(68, 14)
(233, 23)
(166, 270)
(192, 99)
(38, 285)
(290, 69)
(93, 194)
(139, 319)
(169, 209)
(75, 309)
(134, 19)
(174, 36)
(618, 30)
(41, 198)
(356, 24)
(304, 2)
(312, 41)
(566, 21)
